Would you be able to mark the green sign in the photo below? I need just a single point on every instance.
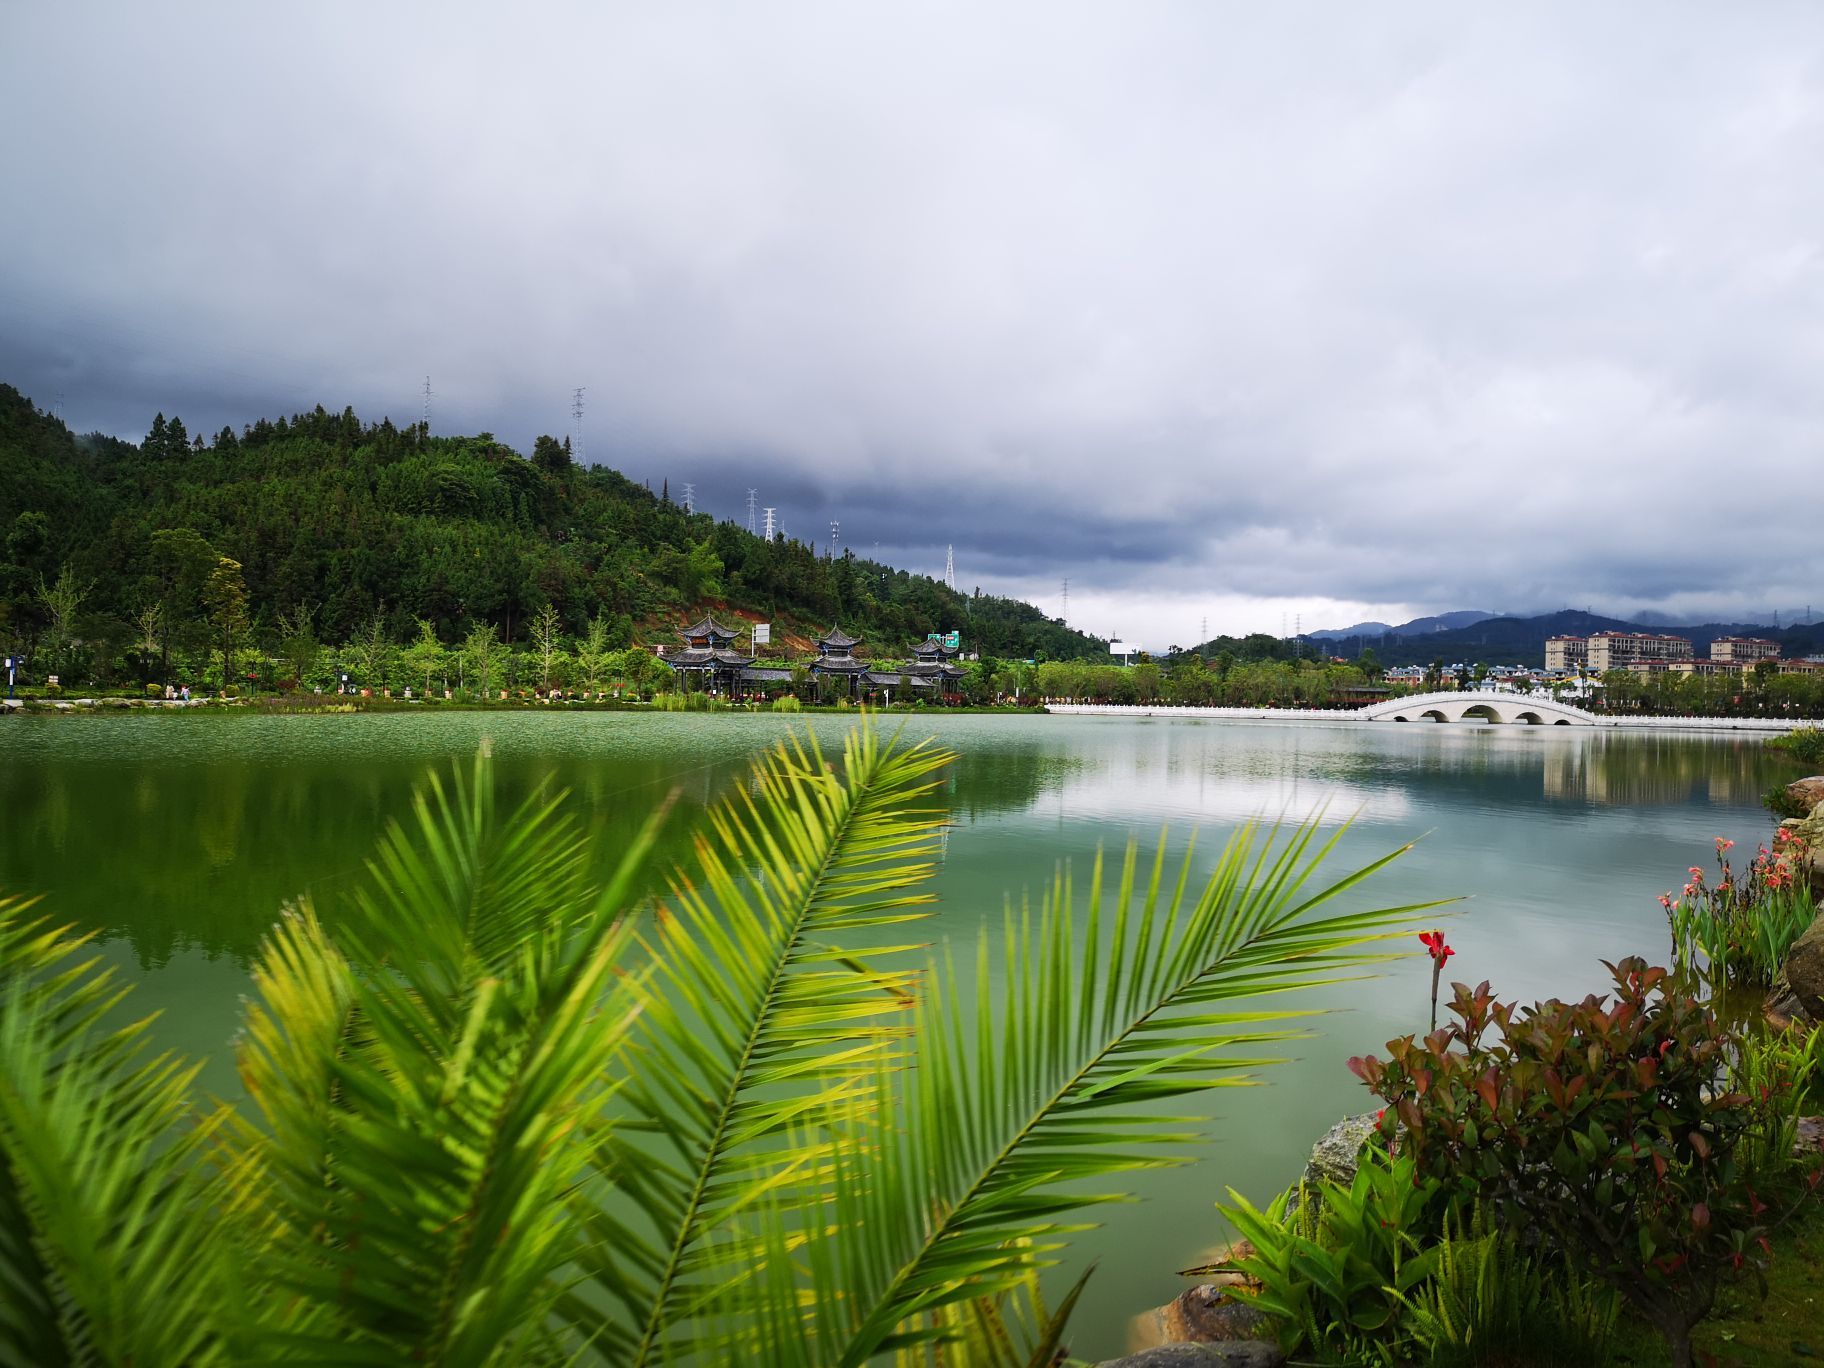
(950, 641)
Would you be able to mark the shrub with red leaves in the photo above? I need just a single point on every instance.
(1602, 1125)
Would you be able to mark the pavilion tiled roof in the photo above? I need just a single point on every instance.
(709, 627)
(838, 640)
(697, 658)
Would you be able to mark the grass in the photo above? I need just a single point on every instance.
(1784, 1329)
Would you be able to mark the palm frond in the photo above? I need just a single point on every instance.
(971, 1170)
(429, 1100)
(759, 1012)
(104, 1252)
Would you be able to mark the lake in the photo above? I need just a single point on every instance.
(179, 837)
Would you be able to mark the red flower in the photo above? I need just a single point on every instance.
(1433, 941)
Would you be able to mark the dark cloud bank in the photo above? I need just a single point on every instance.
(1330, 311)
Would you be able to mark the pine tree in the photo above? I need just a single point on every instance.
(154, 445)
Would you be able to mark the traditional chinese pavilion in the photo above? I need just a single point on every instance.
(836, 660)
(931, 662)
(709, 653)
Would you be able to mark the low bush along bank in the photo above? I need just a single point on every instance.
(1539, 1177)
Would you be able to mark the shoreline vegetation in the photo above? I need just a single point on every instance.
(306, 705)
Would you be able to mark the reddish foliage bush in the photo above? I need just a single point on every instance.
(1603, 1125)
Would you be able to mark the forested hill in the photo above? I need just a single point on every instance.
(348, 520)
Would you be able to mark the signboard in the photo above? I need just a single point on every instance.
(950, 641)
(1124, 648)
(763, 633)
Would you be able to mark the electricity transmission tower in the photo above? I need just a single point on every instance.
(427, 404)
(770, 524)
(752, 497)
(835, 537)
(690, 497)
(950, 567)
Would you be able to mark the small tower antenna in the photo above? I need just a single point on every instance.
(950, 567)
(835, 537)
(427, 404)
(1203, 639)
(576, 417)
(1064, 610)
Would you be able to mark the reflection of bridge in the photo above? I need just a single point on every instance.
(1484, 704)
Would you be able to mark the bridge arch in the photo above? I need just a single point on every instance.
(1487, 704)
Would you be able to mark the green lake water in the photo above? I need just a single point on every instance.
(179, 837)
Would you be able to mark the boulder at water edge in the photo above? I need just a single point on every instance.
(1338, 1152)
(1810, 830)
(1198, 1315)
(1807, 794)
(1803, 970)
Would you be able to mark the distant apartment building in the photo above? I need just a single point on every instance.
(1566, 652)
(1685, 667)
(1624, 650)
(1743, 650)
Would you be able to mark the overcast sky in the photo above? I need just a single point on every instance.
(1243, 312)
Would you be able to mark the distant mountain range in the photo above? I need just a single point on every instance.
(1441, 622)
(1498, 640)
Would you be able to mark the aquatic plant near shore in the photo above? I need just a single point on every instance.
(1738, 929)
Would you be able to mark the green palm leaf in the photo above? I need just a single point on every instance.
(104, 1255)
(969, 1171)
(429, 1100)
(758, 1013)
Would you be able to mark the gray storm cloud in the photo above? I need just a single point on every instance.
(1419, 306)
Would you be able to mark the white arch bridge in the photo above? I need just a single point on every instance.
(1485, 704)
(1479, 705)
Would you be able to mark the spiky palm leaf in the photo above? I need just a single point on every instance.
(967, 1173)
(758, 1013)
(428, 1098)
(103, 1257)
